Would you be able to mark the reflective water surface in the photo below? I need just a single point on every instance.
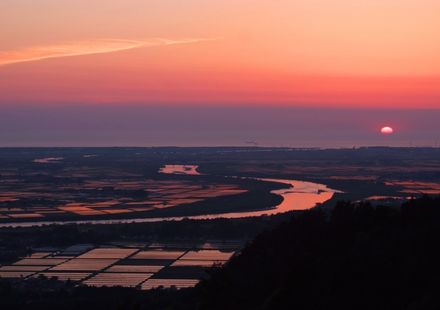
(300, 196)
(48, 160)
(180, 169)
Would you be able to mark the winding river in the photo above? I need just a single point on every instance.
(300, 196)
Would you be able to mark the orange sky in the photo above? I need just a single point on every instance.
(307, 52)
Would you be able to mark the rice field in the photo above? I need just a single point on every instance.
(134, 268)
(150, 195)
(64, 276)
(15, 274)
(23, 268)
(182, 272)
(213, 255)
(40, 261)
(158, 254)
(84, 264)
(39, 255)
(108, 253)
(413, 187)
(199, 263)
(24, 215)
(143, 266)
(117, 279)
(76, 249)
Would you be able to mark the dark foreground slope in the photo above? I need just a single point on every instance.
(358, 257)
(361, 258)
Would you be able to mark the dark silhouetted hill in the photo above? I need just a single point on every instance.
(360, 258)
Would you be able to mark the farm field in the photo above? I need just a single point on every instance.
(144, 267)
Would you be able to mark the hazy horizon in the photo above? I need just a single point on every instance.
(137, 125)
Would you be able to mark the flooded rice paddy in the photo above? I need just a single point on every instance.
(134, 197)
(417, 187)
(143, 267)
(180, 169)
(48, 160)
(162, 194)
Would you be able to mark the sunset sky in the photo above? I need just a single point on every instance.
(241, 54)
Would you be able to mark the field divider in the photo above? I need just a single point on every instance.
(94, 273)
(139, 286)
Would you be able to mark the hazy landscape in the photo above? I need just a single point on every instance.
(79, 219)
(213, 154)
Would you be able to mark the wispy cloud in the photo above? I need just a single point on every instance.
(79, 48)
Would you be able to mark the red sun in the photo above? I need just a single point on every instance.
(386, 130)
